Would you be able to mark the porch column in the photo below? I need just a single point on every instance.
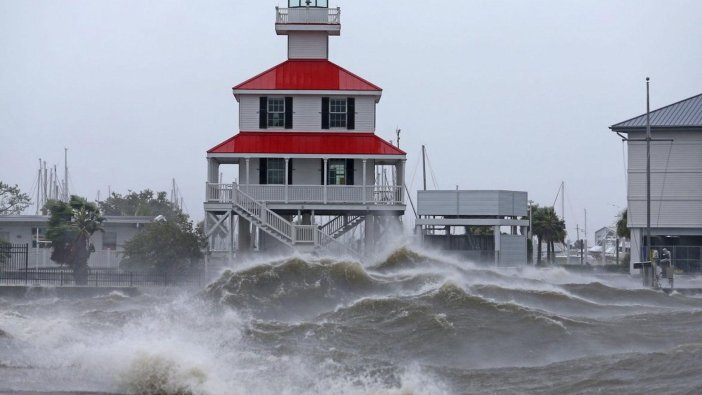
(325, 179)
(636, 248)
(400, 181)
(212, 170)
(369, 240)
(211, 193)
(496, 235)
(248, 165)
(285, 176)
(364, 181)
(244, 236)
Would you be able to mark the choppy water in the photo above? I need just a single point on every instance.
(410, 324)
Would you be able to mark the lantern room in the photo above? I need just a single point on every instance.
(308, 16)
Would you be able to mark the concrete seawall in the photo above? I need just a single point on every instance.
(21, 291)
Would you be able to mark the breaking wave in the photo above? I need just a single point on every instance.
(412, 323)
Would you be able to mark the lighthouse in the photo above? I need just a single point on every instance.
(312, 173)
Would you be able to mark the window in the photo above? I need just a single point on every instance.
(276, 112)
(39, 238)
(336, 174)
(308, 3)
(337, 113)
(275, 171)
(109, 241)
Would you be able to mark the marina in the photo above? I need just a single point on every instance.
(317, 249)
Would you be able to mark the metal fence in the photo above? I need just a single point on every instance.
(14, 259)
(16, 270)
(685, 258)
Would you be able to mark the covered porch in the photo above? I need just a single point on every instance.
(297, 168)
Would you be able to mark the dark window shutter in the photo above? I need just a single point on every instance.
(290, 171)
(288, 113)
(322, 176)
(263, 114)
(351, 113)
(263, 171)
(349, 172)
(325, 113)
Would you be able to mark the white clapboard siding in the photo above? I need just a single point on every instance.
(307, 114)
(676, 181)
(248, 112)
(365, 114)
(666, 214)
(308, 45)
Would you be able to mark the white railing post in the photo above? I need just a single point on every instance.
(364, 181)
(287, 163)
(325, 180)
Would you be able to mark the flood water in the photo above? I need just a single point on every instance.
(411, 323)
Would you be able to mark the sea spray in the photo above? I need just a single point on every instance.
(157, 375)
(412, 323)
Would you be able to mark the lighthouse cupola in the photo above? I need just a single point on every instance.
(308, 25)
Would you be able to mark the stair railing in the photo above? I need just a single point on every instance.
(266, 216)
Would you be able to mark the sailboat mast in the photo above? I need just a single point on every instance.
(424, 166)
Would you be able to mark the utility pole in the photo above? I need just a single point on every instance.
(648, 171)
(648, 139)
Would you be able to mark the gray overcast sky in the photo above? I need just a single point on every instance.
(505, 94)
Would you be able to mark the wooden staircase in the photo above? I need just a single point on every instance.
(307, 238)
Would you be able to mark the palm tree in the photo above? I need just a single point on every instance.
(549, 228)
(70, 227)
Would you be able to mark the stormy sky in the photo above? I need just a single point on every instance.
(505, 94)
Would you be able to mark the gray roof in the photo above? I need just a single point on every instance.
(683, 114)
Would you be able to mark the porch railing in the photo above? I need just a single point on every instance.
(311, 15)
(306, 194)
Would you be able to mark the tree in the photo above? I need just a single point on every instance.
(623, 231)
(12, 200)
(4, 252)
(548, 228)
(172, 246)
(71, 225)
(144, 203)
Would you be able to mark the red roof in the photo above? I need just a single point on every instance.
(318, 74)
(301, 143)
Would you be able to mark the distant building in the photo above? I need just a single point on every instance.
(676, 182)
(483, 226)
(310, 167)
(606, 240)
(109, 245)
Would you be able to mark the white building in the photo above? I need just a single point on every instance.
(676, 182)
(310, 167)
(109, 245)
(444, 217)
